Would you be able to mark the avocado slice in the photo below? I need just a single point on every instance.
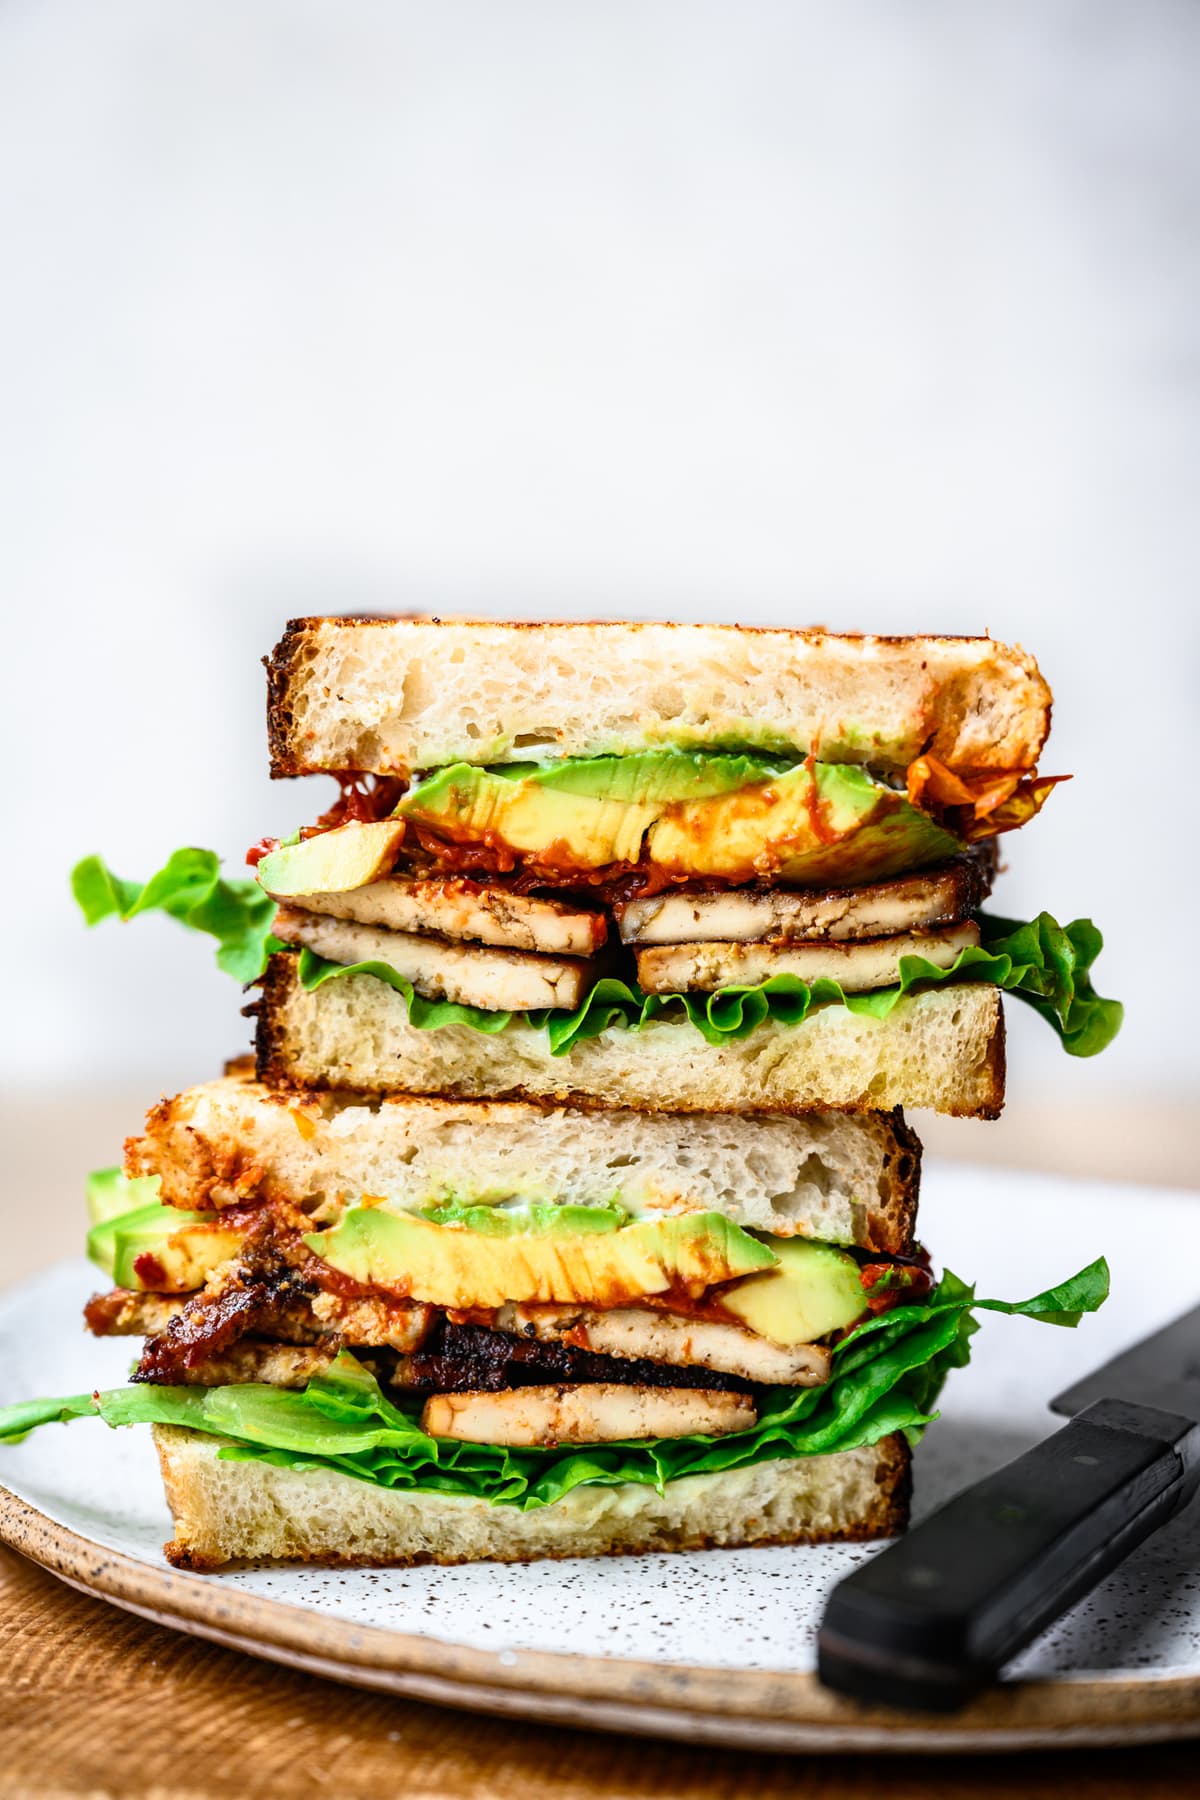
(827, 824)
(110, 1192)
(332, 862)
(469, 805)
(733, 817)
(102, 1238)
(534, 1220)
(587, 811)
(451, 1266)
(662, 777)
(814, 1289)
(161, 1249)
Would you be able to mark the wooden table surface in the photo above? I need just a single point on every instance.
(97, 1703)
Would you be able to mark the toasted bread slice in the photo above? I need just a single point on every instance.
(843, 1178)
(464, 909)
(858, 966)
(230, 1511)
(922, 902)
(472, 975)
(392, 695)
(943, 1049)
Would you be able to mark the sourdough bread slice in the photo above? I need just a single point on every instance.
(387, 696)
(233, 1511)
(844, 1178)
(942, 1049)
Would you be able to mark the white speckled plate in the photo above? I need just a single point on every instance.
(716, 1645)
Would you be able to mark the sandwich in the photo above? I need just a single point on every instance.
(567, 1205)
(690, 867)
(416, 1329)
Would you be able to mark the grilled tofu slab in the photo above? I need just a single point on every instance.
(497, 980)
(920, 902)
(858, 966)
(279, 1365)
(637, 1332)
(456, 908)
(591, 1413)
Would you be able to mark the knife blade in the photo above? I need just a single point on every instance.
(1160, 1370)
(932, 1619)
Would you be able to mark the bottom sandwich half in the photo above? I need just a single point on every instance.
(233, 1510)
(393, 1330)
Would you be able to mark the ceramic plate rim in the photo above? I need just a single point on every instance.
(755, 1707)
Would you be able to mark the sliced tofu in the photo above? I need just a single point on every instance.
(870, 963)
(634, 1332)
(496, 980)
(401, 1325)
(593, 1413)
(920, 902)
(124, 1313)
(279, 1365)
(398, 1324)
(464, 909)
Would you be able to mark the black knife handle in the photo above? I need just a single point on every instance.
(931, 1619)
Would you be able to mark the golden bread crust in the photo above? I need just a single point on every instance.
(387, 696)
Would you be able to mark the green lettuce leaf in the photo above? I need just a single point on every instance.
(190, 888)
(1049, 967)
(886, 1377)
(1043, 963)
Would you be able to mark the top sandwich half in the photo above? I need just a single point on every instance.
(528, 811)
(656, 849)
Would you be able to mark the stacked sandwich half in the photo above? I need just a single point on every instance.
(569, 1207)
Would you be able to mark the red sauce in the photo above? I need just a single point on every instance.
(362, 800)
(822, 830)
(449, 858)
(150, 1271)
(103, 1312)
(333, 1281)
(909, 1280)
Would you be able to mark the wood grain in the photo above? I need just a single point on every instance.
(94, 1702)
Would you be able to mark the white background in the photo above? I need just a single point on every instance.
(880, 316)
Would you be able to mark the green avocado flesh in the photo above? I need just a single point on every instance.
(448, 1265)
(160, 1249)
(788, 1290)
(110, 1192)
(737, 818)
(813, 1290)
(531, 1219)
(818, 824)
(332, 862)
(650, 778)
